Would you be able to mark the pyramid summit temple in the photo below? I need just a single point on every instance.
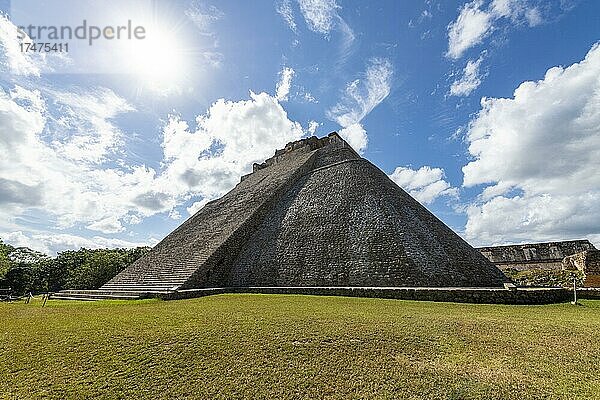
(315, 214)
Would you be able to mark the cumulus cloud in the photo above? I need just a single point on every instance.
(196, 206)
(85, 131)
(70, 189)
(537, 155)
(425, 184)
(19, 63)
(359, 98)
(107, 225)
(62, 159)
(356, 136)
(469, 81)
(312, 127)
(204, 162)
(229, 138)
(282, 90)
(60, 156)
(475, 21)
(15, 61)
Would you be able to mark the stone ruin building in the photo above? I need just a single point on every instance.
(573, 254)
(315, 214)
(587, 262)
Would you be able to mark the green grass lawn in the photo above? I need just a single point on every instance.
(275, 346)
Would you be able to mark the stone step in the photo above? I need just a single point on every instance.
(149, 280)
(152, 279)
(59, 297)
(99, 292)
(91, 295)
(140, 288)
(144, 285)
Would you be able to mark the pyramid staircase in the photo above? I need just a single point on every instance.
(216, 230)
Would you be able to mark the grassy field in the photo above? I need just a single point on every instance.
(274, 346)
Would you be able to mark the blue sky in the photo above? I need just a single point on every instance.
(488, 112)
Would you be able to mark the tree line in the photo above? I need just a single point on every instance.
(24, 270)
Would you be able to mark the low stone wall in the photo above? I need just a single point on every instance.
(457, 295)
(589, 293)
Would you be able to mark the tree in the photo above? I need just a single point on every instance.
(25, 270)
(90, 269)
(5, 263)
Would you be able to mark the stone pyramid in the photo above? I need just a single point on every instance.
(315, 214)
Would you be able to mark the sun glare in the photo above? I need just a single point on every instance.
(158, 57)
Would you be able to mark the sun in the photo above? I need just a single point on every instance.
(159, 57)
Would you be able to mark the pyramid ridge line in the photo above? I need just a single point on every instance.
(311, 143)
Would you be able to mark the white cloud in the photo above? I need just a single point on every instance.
(203, 163)
(309, 98)
(312, 127)
(203, 16)
(356, 136)
(534, 17)
(14, 60)
(52, 243)
(503, 8)
(20, 63)
(475, 22)
(537, 154)
(72, 190)
(197, 206)
(174, 215)
(60, 157)
(107, 225)
(229, 138)
(534, 218)
(360, 97)
(284, 8)
(282, 89)
(425, 184)
(84, 131)
(469, 81)
(320, 15)
(469, 29)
